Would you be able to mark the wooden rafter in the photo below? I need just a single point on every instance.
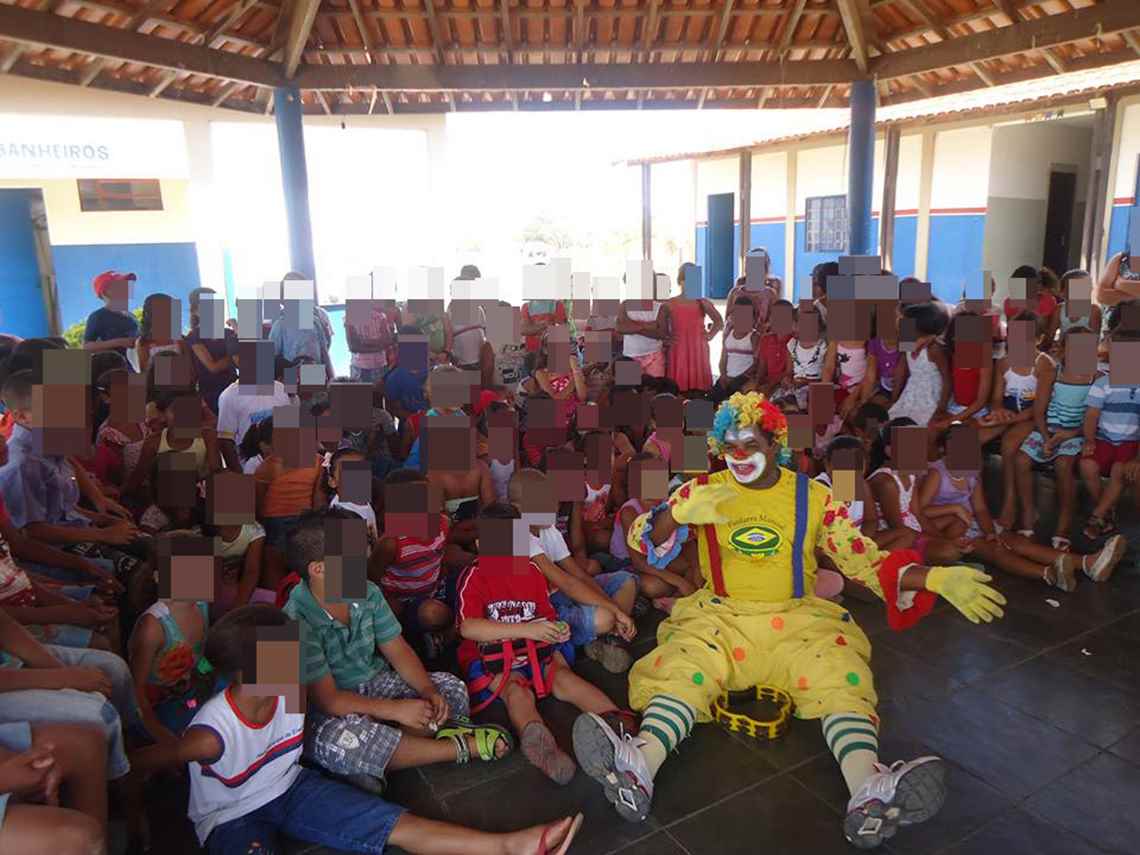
(54, 31)
(852, 12)
(1108, 17)
(436, 34)
(712, 50)
(301, 16)
(505, 23)
(790, 24)
(1132, 40)
(97, 65)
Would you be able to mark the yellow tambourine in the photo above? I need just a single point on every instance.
(767, 728)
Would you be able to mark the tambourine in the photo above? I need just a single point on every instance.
(727, 712)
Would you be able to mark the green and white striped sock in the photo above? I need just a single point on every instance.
(664, 724)
(854, 741)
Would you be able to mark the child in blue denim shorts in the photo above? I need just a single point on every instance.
(247, 787)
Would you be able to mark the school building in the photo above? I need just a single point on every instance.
(1042, 172)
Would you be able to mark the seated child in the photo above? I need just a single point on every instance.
(1058, 415)
(1111, 432)
(373, 706)
(1012, 404)
(514, 646)
(682, 576)
(410, 569)
(773, 355)
(954, 504)
(100, 696)
(171, 678)
(240, 732)
(596, 608)
(884, 346)
(893, 492)
(922, 379)
(357, 495)
(41, 492)
(807, 353)
(241, 549)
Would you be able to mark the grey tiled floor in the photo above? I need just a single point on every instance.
(1038, 718)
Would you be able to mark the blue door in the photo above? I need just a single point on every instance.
(22, 310)
(719, 261)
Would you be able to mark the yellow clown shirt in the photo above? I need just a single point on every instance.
(750, 625)
(754, 544)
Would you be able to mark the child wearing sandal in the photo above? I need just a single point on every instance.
(953, 503)
(1058, 414)
(514, 647)
(373, 706)
(247, 787)
(1111, 433)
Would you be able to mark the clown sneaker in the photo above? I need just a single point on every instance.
(615, 762)
(904, 793)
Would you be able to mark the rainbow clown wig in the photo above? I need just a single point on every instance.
(744, 410)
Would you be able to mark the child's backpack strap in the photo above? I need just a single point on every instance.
(803, 493)
(716, 568)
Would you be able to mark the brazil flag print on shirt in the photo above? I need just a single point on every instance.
(755, 543)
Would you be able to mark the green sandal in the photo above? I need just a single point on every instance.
(487, 737)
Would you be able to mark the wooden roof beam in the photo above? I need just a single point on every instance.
(854, 23)
(983, 75)
(712, 51)
(301, 16)
(54, 31)
(362, 28)
(1132, 40)
(1110, 16)
(680, 75)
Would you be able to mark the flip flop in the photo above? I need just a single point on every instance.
(564, 847)
(1061, 543)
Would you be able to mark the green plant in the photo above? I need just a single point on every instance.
(73, 335)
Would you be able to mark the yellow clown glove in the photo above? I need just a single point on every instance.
(700, 504)
(966, 590)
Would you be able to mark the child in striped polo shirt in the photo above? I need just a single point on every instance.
(373, 704)
(247, 787)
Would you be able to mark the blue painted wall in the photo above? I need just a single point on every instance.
(771, 237)
(955, 254)
(22, 311)
(1118, 230)
(167, 268)
(906, 237)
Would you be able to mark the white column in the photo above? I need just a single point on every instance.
(207, 240)
(790, 228)
(925, 189)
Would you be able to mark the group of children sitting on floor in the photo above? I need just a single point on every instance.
(158, 542)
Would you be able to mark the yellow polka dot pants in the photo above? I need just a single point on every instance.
(811, 648)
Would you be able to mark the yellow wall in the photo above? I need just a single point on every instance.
(69, 226)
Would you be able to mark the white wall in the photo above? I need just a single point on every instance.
(1127, 152)
(1023, 156)
(717, 176)
(769, 185)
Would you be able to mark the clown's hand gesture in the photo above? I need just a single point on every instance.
(966, 590)
(700, 504)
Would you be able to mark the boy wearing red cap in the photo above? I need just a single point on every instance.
(111, 327)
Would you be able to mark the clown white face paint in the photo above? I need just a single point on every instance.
(745, 468)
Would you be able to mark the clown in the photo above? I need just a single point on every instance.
(756, 621)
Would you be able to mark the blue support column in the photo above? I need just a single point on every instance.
(294, 178)
(861, 171)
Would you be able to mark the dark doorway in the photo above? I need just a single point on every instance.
(719, 254)
(1059, 220)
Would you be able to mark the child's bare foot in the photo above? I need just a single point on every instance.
(539, 747)
(1099, 567)
(552, 839)
(665, 604)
